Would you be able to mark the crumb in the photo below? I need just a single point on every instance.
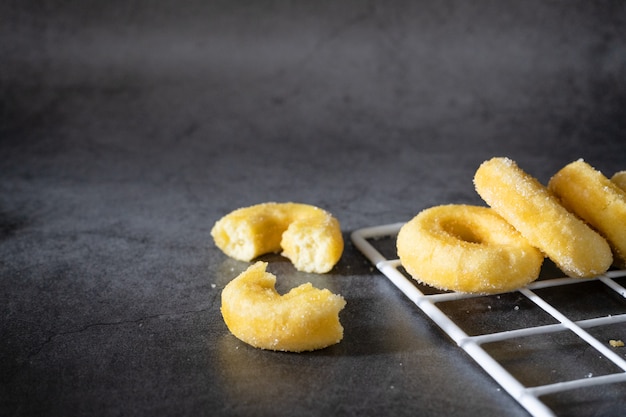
(616, 343)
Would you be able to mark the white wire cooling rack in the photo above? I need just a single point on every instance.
(483, 345)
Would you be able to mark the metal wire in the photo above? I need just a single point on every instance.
(528, 397)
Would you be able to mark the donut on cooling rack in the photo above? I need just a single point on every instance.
(619, 179)
(537, 214)
(597, 200)
(468, 249)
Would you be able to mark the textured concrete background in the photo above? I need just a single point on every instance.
(128, 128)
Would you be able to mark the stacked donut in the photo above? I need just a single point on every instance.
(578, 221)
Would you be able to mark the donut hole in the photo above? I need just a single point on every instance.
(462, 231)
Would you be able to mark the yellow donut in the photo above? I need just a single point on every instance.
(537, 214)
(619, 179)
(597, 200)
(305, 318)
(307, 235)
(467, 249)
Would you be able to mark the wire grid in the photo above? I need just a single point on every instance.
(528, 397)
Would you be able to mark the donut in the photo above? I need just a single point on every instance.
(304, 319)
(537, 214)
(307, 235)
(597, 200)
(619, 179)
(466, 248)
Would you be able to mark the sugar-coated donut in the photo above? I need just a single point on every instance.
(468, 249)
(537, 214)
(594, 198)
(619, 179)
(306, 318)
(307, 235)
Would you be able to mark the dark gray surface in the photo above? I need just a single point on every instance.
(128, 128)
